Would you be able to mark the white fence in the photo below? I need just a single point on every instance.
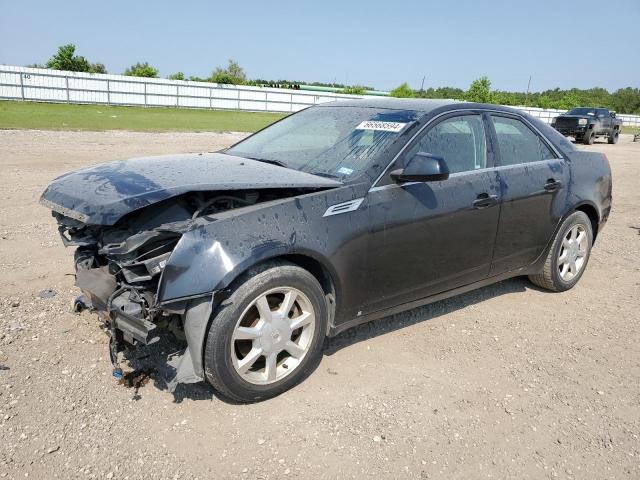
(43, 85)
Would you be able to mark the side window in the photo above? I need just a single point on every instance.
(459, 140)
(518, 143)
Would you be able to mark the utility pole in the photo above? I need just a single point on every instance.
(422, 85)
(526, 97)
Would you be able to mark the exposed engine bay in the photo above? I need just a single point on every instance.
(119, 267)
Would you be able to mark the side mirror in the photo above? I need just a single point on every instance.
(612, 114)
(422, 167)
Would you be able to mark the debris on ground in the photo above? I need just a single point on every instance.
(47, 293)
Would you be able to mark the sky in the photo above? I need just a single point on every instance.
(381, 44)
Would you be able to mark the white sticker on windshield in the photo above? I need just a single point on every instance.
(394, 127)
(345, 171)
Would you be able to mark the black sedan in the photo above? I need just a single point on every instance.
(340, 214)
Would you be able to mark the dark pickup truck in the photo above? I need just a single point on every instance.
(585, 124)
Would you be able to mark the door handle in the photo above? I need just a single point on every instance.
(485, 200)
(552, 185)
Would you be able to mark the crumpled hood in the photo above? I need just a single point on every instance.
(102, 194)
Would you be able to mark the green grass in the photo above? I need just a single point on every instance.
(627, 129)
(52, 116)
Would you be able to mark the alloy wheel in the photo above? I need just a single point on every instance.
(273, 335)
(573, 252)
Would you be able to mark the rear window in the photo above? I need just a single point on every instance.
(518, 143)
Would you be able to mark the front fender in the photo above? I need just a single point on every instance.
(218, 249)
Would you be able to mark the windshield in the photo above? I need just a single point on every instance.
(338, 142)
(582, 111)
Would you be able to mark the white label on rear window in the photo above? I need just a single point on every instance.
(394, 127)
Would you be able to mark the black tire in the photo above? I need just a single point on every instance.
(588, 137)
(578, 139)
(549, 278)
(218, 363)
(613, 138)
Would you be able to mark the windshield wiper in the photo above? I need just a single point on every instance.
(324, 174)
(265, 160)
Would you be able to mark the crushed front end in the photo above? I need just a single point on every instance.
(135, 222)
(119, 269)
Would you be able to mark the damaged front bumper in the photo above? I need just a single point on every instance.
(133, 319)
(126, 306)
(120, 266)
(119, 282)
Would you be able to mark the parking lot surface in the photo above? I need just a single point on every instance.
(508, 381)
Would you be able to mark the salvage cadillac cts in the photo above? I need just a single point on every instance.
(337, 215)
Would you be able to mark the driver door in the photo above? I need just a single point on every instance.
(429, 237)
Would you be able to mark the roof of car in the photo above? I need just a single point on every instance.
(417, 104)
(422, 105)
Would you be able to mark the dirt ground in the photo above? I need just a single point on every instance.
(505, 382)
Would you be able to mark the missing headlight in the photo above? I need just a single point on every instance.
(145, 270)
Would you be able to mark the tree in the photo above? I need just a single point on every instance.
(65, 59)
(233, 74)
(571, 99)
(544, 102)
(176, 76)
(442, 92)
(480, 91)
(402, 91)
(98, 68)
(626, 100)
(354, 90)
(141, 70)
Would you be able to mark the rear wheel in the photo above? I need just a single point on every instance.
(568, 255)
(588, 137)
(613, 138)
(268, 335)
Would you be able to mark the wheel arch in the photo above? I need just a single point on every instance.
(190, 364)
(324, 276)
(590, 211)
(318, 267)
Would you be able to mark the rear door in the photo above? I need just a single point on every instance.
(533, 184)
(428, 237)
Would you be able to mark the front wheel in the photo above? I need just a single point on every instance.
(588, 137)
(267, 336)
(568, 255)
